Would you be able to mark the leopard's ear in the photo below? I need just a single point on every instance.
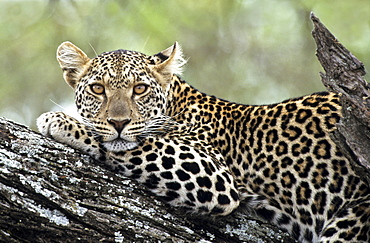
(73, 61)
(169, 61)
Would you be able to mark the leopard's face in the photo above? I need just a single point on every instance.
(121, 95)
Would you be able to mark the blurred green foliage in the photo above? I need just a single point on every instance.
(252, 51)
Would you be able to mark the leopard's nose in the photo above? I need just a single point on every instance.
(118, 124)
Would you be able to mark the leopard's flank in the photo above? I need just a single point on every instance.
(208, 155)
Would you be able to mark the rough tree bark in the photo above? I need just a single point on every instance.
(345, 75)
(52, 193)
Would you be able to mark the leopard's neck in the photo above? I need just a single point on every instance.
(208, 115)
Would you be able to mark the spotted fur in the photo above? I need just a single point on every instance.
(211, 156)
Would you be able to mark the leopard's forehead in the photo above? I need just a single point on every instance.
(117, 61)
(119, 68)
(120, 56)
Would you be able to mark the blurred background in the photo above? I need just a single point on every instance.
(251, 51)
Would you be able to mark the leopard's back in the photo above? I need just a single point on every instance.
(285, 161)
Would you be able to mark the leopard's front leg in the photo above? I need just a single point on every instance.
(66, 129)
(181, 174)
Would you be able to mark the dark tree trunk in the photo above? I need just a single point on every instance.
(344, 74)
(52, 193)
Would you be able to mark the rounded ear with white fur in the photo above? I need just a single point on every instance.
(169, 62)
(73, 61)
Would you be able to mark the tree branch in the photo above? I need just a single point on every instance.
(51, 192)
(344, 75)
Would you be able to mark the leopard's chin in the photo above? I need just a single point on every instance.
(119, 145)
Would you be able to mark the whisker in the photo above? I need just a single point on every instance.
(55, 103)
(93, 49)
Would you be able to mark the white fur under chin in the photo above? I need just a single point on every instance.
(119, 145)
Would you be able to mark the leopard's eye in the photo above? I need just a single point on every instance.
(97, 88)
(140, 89)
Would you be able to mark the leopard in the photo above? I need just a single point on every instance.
(210, 156)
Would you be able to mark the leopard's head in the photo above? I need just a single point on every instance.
(121, 95)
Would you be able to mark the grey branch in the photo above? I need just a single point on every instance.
(52, 193)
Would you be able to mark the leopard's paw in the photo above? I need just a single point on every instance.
(49, 122)
(68, 130)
